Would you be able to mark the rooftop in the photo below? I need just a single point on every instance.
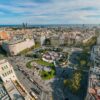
(14, 41)
(94, 86)
(3, 35)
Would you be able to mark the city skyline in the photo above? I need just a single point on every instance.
(50, 11)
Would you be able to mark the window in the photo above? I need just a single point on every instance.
(2, 68)
(3, 75)
(8, 73)
(6, 66)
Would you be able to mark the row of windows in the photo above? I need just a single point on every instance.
(7, 73)
(5, 67)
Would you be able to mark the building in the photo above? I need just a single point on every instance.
(42, 39)
(6, 71)
(50, 57)
(4, 36)
(3, 93)
(94, 75)
(12, 85)
(55, 40)
(14, 47)
(98, 40)
(95, 55)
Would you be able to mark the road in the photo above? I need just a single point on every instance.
(25, 80)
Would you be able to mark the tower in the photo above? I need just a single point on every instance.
(42, 39)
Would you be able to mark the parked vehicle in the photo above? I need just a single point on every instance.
(35, 91)
(31, 79)
(33, 95)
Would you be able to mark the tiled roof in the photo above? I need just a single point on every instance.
(4, 35)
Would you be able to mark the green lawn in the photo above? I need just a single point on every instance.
(47, 75)
(28, 65)
(44, 74)
(43, 63)
(40, 62)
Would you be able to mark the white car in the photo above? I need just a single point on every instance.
(33, 95)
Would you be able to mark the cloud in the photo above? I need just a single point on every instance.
(50, 11)
(42, 1)
(89, 8)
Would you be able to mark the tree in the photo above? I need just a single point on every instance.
(47, 42)
(82, 62)
(75, 82)
(66, 82)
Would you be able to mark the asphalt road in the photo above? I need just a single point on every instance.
(27, 83)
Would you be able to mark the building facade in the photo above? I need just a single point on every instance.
(94, 74)
(13, 48)
(11, 83)
(42, 39)
(6, 71)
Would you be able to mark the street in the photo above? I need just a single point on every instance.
(27, 78)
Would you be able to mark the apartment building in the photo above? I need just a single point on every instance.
(6, 71)
(14, 47)
(14, 89)
(94, 76)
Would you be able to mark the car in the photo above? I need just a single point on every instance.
(36, 91)
(31, 79)
(20, 69)
(25, 74)
(33, 95)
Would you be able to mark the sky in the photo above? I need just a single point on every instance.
(50, 11)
